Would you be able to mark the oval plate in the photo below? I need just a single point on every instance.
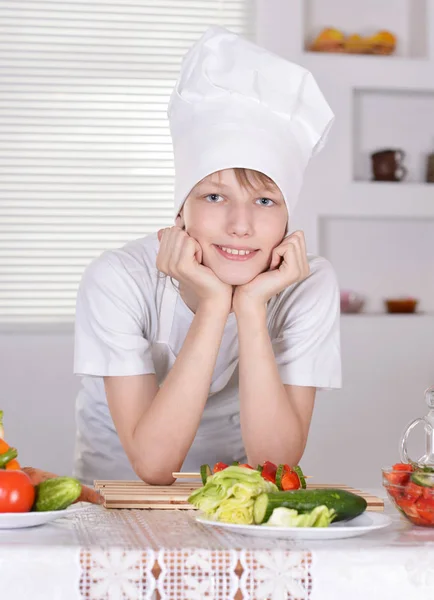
(32, 519)
(366, 523)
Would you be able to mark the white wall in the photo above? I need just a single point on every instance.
(387, 361)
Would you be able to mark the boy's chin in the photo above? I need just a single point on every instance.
(236, 279)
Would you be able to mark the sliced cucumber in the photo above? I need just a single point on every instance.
(423, 479)
(346, 504)
(279, 474)
(297, 469)
(205, 472)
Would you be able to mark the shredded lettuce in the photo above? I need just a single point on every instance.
(320, 516)
(229, 494)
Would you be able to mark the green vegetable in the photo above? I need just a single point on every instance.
(321, 516)
(229, 495)
(236, 463)
(279, 474)
(259, 468)
(7, 457)
(56, 494)
(2, 431)
(346, 504)
(425, 479)
(205, 472)
(297, 469)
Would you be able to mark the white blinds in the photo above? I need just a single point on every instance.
(85, 152)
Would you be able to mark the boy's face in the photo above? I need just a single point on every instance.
(237, 227)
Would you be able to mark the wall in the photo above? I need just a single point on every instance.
(387, 361)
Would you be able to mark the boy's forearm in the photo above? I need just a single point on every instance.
(270, 426)
(167, 429)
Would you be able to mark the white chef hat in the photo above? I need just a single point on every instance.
(237, 105)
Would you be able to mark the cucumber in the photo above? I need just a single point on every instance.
(297, 469)
(424, 479)
(205, 472)
(346, 504)
(279, 474)
(56, 494)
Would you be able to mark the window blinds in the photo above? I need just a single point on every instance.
(85, 150)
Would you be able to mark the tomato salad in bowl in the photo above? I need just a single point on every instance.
(411, 489)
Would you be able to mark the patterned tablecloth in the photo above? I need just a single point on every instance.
(101, 554)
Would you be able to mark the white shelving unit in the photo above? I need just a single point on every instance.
(379, 102)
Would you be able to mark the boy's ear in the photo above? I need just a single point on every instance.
(179, 221)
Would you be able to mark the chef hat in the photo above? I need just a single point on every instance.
(237, 105)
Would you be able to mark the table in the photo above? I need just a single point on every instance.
(101, 554)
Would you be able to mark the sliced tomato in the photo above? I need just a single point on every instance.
(219, 466)
(425, 509)
(269, 471)
(412, 492)
(246, 466)
(400, 474)
(290, 481)
(402, 467)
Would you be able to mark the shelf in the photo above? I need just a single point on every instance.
(408, 19)
(384, 199)
(374, 72)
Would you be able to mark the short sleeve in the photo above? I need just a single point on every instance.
(306, 331)
(109, 322)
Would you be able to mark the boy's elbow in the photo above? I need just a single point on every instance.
(153, 476)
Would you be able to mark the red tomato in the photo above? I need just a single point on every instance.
(412, 492)
(246, 466)
(402, 467)
(400, 475)
(290, 481)
(425, 509)
(17, 493)
(219, 466)
(269, 471)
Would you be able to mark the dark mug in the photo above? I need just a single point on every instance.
(387, 165)
(430, 169)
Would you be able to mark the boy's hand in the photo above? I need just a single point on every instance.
(289, 265)
(180, 257)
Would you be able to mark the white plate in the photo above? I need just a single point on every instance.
(366, 523)
(32, 519)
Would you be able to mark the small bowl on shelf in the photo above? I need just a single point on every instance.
(351, 302)
(401, 305)
(414, 502)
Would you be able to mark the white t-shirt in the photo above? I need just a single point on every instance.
(131, 320)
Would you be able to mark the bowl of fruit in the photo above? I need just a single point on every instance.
(410, 487)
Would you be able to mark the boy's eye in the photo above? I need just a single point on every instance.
(265, 201)
(213, 198)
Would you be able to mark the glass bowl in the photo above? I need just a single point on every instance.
(415, 502)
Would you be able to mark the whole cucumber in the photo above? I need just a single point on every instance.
(56, 494)
(346, 504)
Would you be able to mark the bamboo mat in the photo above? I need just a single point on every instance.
(137, 494)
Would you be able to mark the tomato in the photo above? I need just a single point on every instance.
(425, 509)
(412, 492)
(269, 471)
(17, 493)
(246, 466)
(290, 481)
(400, 475)
(402, 467)
(219, 466)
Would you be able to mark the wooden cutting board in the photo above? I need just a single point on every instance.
(137, 494)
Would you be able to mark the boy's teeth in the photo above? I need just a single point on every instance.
(233, 251)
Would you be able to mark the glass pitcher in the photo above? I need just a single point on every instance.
(428, 421)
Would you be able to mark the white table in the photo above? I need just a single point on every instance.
(132, 554)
